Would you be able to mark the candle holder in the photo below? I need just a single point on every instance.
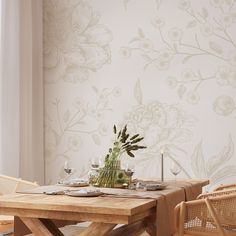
(162, 166)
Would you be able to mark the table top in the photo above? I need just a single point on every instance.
(123, 206)
(100, 209)
(112, 210)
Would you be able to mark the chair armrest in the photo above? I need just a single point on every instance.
(224, 187)
(217, 193)
(176, 217)
(215, 217)
(212, 216)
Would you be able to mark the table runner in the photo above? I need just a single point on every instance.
(167, 199)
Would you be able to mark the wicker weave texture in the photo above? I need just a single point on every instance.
(217, 193)
(209, 216)
(225, 186)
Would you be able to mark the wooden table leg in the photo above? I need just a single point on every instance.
(151, 225)
(51, 227)
(134, 229)
(147, 225)
(20, 229)
(96, 229)
(37, 227)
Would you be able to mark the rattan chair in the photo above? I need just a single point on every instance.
(10, 185)
(217, 193)
(225, 186)
(210, 216)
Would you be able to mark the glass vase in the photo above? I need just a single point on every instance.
(108, 174)
(112, 176)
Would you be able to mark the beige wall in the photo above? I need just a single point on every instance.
(166, 68)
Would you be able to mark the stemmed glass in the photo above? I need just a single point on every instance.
(68, 169)
(95, 163)
(129, 171)
(175, 169)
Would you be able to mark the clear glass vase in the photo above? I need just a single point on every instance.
(93, 175)
(109, 173)
(112, 176)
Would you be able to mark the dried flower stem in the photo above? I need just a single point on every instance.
(123, 143)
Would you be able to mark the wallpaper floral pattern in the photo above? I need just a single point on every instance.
(170, 75)
(75, 43)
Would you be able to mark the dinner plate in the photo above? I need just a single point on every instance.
(154, 187)
(84, 193)
(75, 183)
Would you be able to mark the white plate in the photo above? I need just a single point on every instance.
(75, 183)
(84, 193)
(154, 187)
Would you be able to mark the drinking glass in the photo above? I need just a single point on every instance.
(175, 169)
(129, 171)
(68, 169)
(95, 163)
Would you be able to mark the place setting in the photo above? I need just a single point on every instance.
(113, 175)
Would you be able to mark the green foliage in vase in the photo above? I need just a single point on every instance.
(124, 143)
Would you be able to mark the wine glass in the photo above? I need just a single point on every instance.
(95, 163)
(129, 171)
(175, 169)
(68, 169)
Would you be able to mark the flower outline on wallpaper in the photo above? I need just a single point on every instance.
(126, 2)
(164, 127)
(68, 125)
(214, 31)
(188, 84)
(216, 168)
(76, 43)
(224, 105)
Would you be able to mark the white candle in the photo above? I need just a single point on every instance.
(162, 166)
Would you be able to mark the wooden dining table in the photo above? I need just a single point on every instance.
(136, 211)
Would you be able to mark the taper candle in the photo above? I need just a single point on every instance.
(162, 166)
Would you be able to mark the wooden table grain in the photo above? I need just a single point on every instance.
(150, 210)
(37, 211)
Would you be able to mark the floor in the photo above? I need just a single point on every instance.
(70, 230)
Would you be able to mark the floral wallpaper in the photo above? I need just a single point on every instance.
(167, 69)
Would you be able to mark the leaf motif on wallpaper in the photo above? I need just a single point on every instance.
(216, 161)
(164, 126)
(186, 59)
(182, 135)
(57, 137)
(158, 3)
(96, 139)
(176, 150)
(125, 3)
(95, 19)
(138, 92)
(223, 173)
(173, 158)
(181, 90)
(141, 33)
(198, 162)
(134, 39)
(75, 34)
(191, 24)
(95, 89)
(66, 116)
(175, 46)
(146, 57)
(215, 169)
(204, 12)
(216, 47)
